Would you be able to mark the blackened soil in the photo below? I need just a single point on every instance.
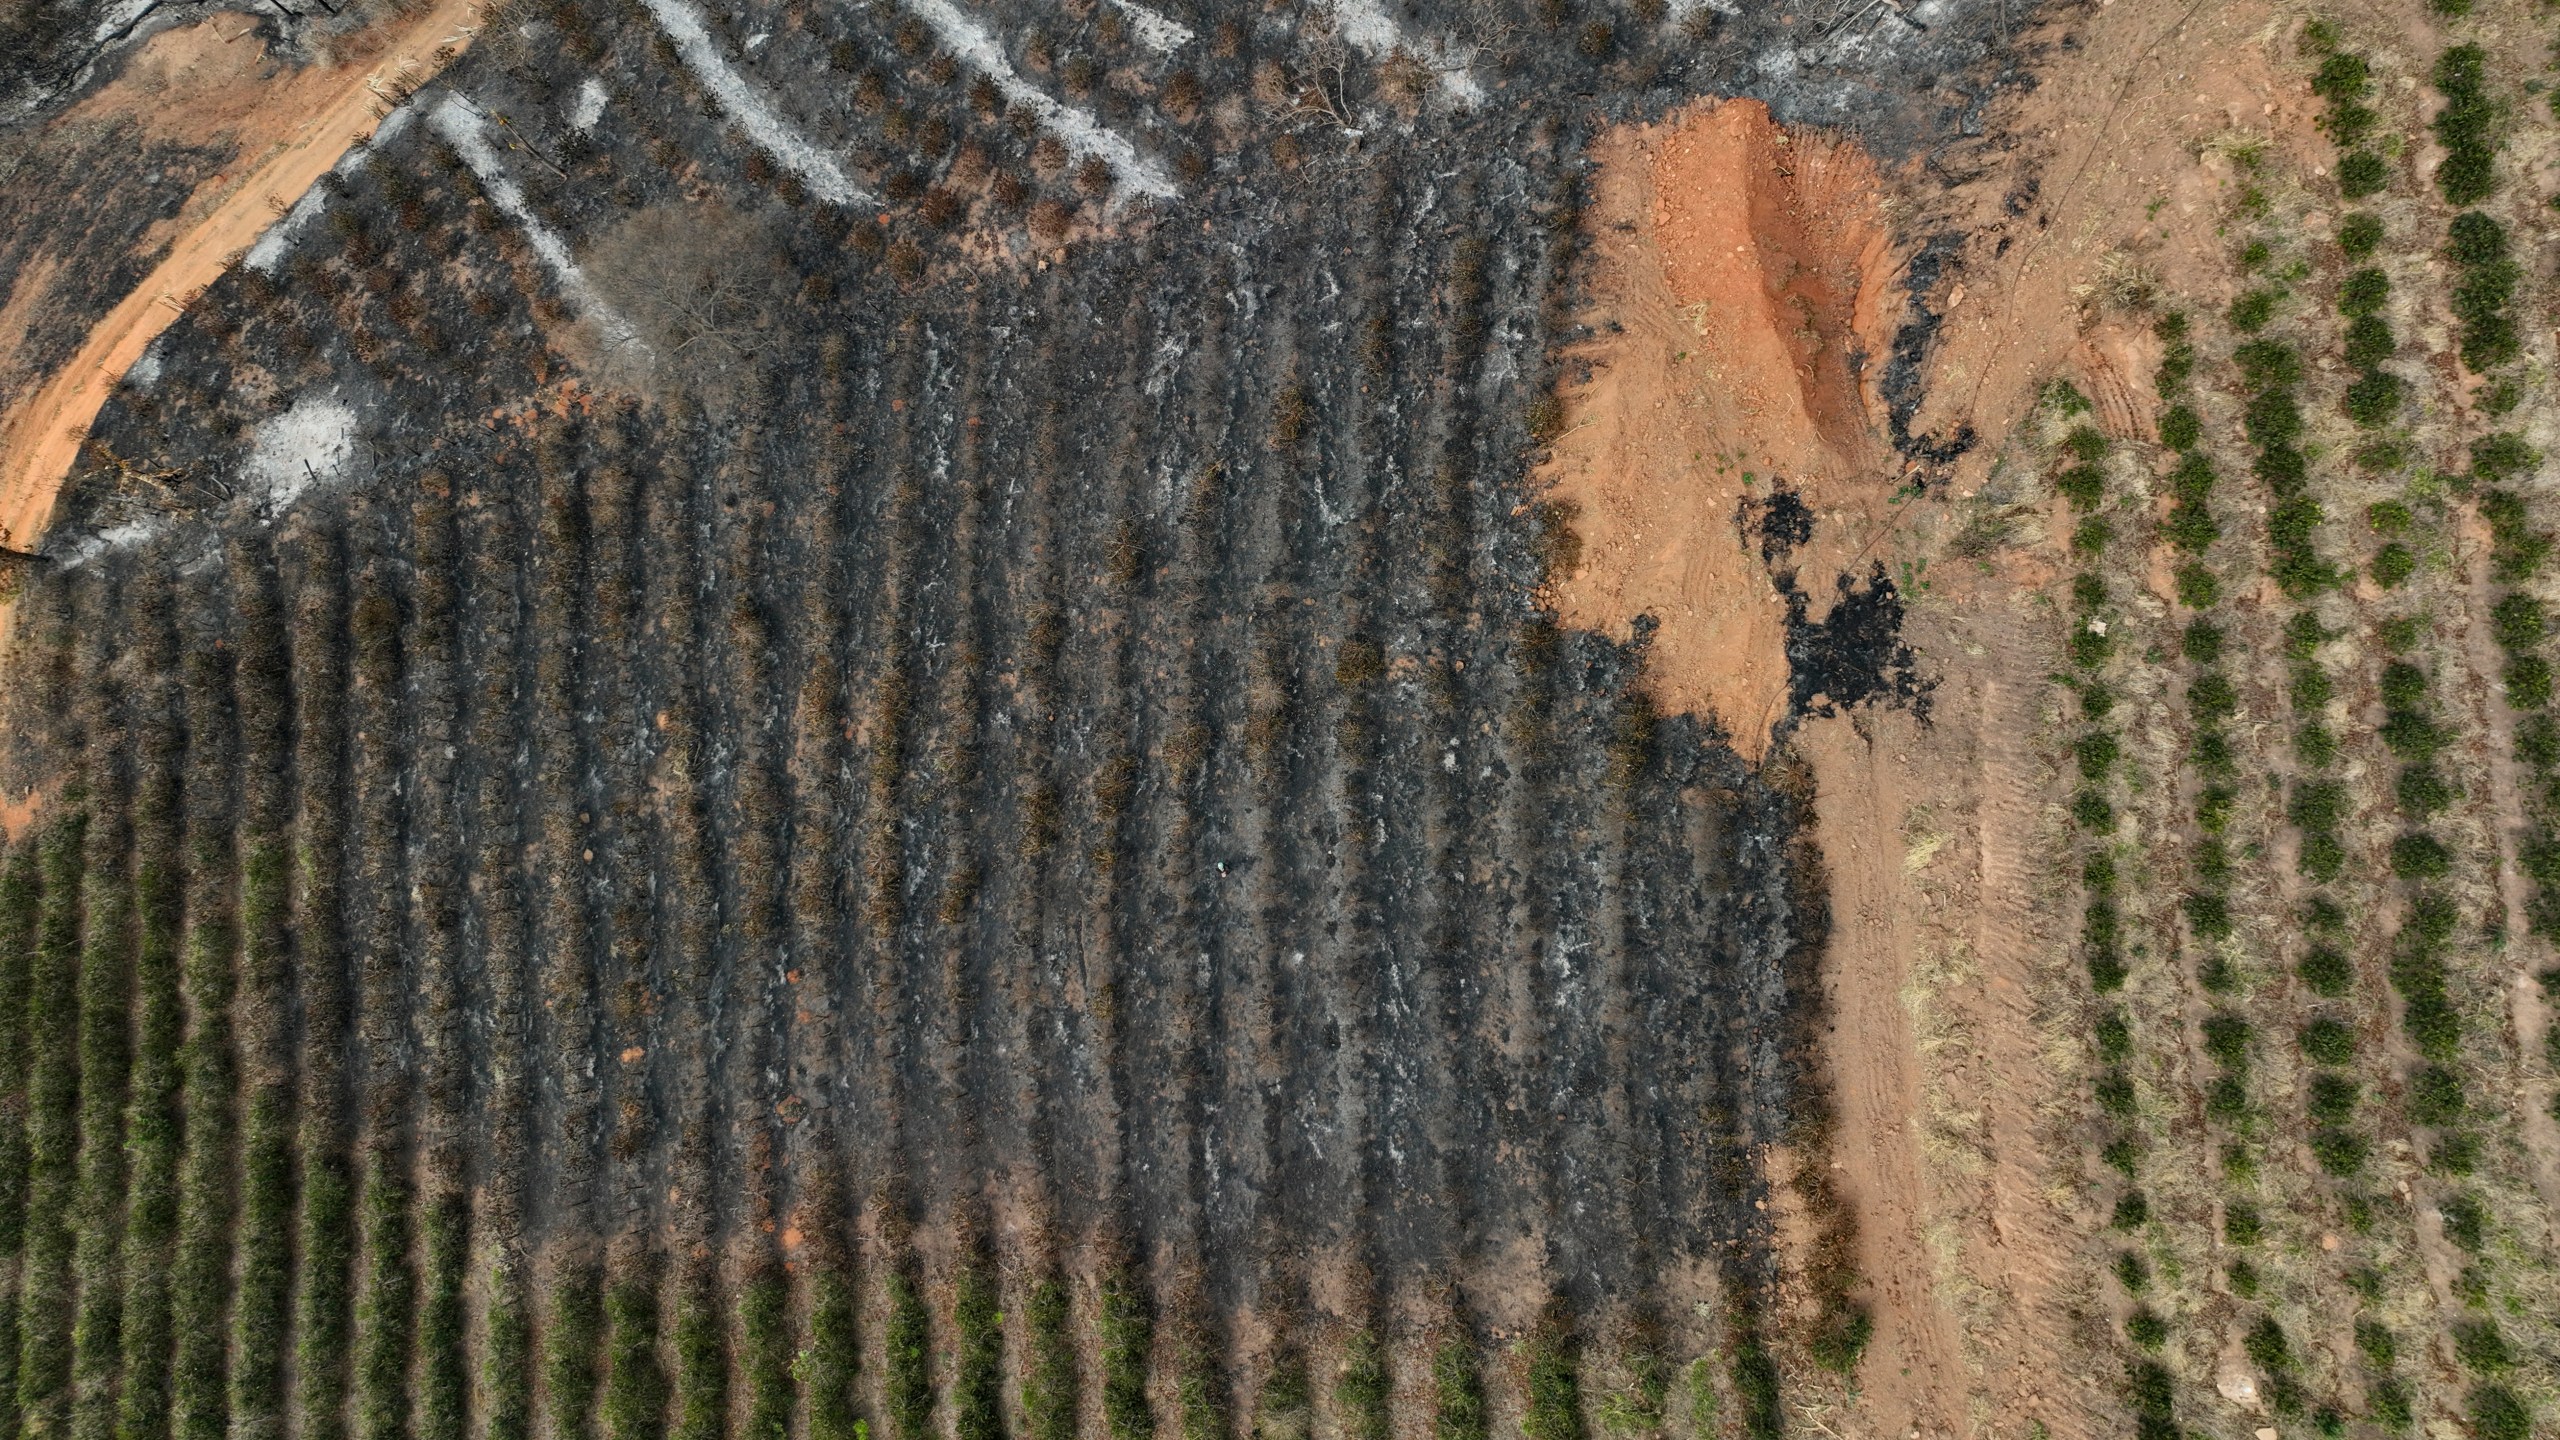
(1901, 386)
(1781, 522)
(1855, 654)
(79, 198)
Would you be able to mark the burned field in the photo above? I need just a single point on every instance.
(808, 741)
(1224, 958)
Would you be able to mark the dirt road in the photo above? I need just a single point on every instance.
(41, 441)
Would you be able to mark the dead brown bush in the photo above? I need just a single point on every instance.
(1404, 80)
(1050, 221)
(1182, 97)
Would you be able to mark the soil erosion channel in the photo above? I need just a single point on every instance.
(40, 442)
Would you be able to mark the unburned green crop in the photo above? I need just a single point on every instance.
(2328, 1041)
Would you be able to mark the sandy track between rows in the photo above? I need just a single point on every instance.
(42, 440)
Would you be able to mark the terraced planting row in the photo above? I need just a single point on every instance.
(477, 1142)
(478, 1058)
(2311, 1079)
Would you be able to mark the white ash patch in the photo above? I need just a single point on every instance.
(308, 444)
(110, 540)
(271, 247)
(459, 123)
(1082, 134)
(383, 134)
(145, 372)
(131, 532)
(1365, 26)
(770, 132)
(120, 16)
(590, 107)
(1156, 30)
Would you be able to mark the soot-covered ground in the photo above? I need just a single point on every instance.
(637, 693)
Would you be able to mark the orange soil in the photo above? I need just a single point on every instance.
(1738, 270)
(293, 127)
(16, 815)
(1951, 1065)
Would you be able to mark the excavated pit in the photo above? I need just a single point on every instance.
(1723, 430)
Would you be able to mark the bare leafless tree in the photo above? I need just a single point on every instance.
(1320, 93)
(700, 283)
